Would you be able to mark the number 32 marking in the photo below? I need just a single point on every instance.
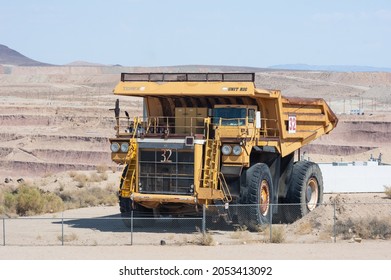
(166, 155)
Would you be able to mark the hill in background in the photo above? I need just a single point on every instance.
(330, 68)
(11, 57)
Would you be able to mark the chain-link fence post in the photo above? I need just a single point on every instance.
(3, 231)
(131, 227)
(203, 219)
(62, 229)
(334, 224)
(271, 222)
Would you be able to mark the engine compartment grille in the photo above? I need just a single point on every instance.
(166, 171)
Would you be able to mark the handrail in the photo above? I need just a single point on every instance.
(224, 188)
(175, 126)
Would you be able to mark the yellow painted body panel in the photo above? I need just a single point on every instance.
(184, 88)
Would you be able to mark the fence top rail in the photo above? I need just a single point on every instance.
(99, 218)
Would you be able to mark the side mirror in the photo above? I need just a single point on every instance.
(117, 109)
(258, 119)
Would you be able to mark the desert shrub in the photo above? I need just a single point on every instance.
(81, 180)
(387, 191)
(68, 237)
(52, 203)
(95, 177)
(88, 197)
(98, 177)
(66, 196)
(97, 196)
(47, 174)
(380, 228)
(9, 202)
(278, 234)
(366, 228)
(29, 201)
(242, 234)
(205, 239)
(113, 168)
(104, 176)
(72, 174)
(344, 228)
(2, 206)
(111, 187)
(304, 228)
(102, 168)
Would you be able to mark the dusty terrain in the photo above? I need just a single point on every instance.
(105, 236)
(57, 119)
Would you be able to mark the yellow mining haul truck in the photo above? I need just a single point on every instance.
(216, 139)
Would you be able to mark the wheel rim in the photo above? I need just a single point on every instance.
(264, 198)
(312, 194)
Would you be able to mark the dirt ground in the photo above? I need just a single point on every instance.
(98, 233)
(340, 251)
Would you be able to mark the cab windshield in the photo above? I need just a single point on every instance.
(229, 116)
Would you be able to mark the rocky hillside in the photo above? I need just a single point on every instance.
(11, 57)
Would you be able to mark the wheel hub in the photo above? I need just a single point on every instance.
(312, 194)
(264, 198)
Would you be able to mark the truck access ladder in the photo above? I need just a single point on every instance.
(129, 173)
(211, 163)
(211, 174)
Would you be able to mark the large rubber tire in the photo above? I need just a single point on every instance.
(305, 191)
(259, 186)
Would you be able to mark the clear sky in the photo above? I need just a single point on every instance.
(213, 32)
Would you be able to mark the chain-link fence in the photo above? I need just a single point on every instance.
(238, 224)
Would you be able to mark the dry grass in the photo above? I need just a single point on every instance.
(72, 174)
(102, 168)
(83, 180)
(88, 197)
(68, 237)
(277, 236)
(98, 177)
(241, 233)
(204, 239)
(387, 191)
(304, 228)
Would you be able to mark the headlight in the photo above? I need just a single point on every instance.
(124, 147)
(226, 150)
(114, 147)
(237, 150)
